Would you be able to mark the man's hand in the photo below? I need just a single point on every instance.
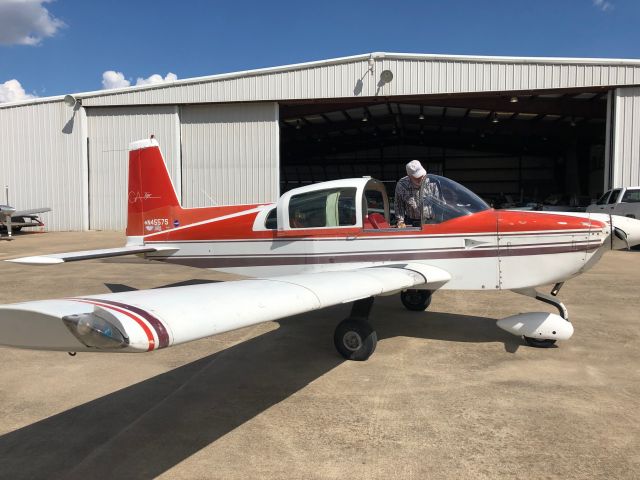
(401, 224)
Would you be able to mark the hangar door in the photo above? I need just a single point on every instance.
(110, 130)
(230, 153)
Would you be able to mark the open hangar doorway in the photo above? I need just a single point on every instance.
(538, 150)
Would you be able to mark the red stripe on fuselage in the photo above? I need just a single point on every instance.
(481, 223)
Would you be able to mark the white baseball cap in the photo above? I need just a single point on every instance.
(415, 170)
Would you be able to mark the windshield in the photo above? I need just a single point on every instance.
(443, 199)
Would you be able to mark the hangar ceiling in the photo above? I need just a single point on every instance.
(319, 139)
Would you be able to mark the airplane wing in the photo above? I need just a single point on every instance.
(145, 320)
(6, 210)
(31, 211)
(88, 255)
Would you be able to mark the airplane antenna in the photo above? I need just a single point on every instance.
(213, 202)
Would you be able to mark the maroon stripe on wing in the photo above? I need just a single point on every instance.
(158, 326)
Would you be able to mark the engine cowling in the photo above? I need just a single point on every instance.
(538, 325)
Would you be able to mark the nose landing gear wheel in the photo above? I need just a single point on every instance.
(355, 339)
(539, 342)
(416, 300)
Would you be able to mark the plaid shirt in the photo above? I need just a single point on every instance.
(408, 203)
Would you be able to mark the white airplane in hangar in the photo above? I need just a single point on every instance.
(319, 245)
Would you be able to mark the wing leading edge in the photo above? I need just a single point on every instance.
(146, 320)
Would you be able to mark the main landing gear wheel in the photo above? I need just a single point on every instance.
(355, 339)
(416, 300)
(539, 342)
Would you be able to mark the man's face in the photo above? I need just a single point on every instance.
(416, 181)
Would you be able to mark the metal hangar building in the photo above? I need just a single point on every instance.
(525, 128)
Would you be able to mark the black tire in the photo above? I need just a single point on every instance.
(416, 300)
(355, 339)
(539, 342)
(16, 229)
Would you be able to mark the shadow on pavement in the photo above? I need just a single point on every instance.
(145, 429)
(121, 287)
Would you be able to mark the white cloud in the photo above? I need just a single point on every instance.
(603, 5)
(155, 79)
(26, 22)
(111, 79)
(12, 91)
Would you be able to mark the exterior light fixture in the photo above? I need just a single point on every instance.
(365, 118)
(513, 99)
(298, 126)
(71, 101)
(421, 117)
(495, 118)
(573, 122)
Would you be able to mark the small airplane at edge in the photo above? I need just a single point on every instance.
(13, 220)
(319, 245)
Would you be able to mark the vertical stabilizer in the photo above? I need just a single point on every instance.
(152, 201)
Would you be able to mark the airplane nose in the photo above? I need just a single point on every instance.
(626, 232)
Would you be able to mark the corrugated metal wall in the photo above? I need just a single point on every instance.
(110, 131)
(412, 74)
(415, 76)
(626, 150)
(230, 153)
(41, 160)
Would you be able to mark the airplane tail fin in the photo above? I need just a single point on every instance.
(152, 202)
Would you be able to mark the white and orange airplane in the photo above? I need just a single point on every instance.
(319, 245)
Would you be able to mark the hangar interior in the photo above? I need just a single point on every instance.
(517, 148)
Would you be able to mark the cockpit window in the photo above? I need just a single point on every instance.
(324, 208)
(374, 201)
(443, 199)
(271, 222)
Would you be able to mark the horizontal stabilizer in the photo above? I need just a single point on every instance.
(88, 255)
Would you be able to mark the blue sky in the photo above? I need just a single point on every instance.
(65, 46)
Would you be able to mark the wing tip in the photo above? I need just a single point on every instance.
(37, 260)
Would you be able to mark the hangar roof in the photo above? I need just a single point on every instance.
(359, 77)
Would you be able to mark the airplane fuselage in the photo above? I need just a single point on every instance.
(488, 250)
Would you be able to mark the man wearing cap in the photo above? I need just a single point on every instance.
(409, 205)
